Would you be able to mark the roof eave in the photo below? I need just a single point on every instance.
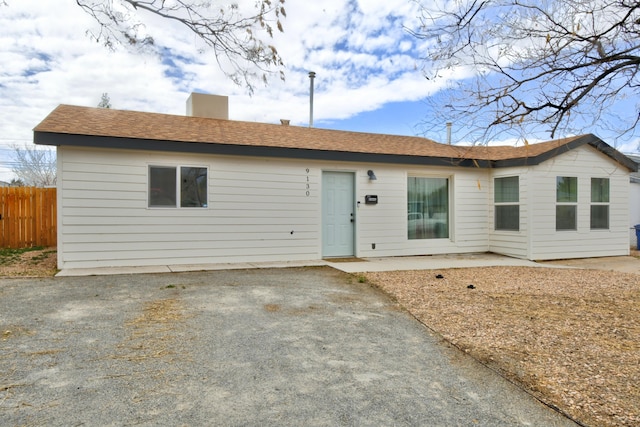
(589, 139)
(608, 150)
(58, 139)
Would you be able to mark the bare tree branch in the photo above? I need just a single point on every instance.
(35, 166)
(105, 101)
(537, 63)
(236, 40)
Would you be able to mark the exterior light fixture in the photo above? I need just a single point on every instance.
(372, 176)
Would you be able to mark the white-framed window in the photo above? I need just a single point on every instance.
(506, 200)
(177, 186)
(428, 208)
(566, 203)
(599, 203)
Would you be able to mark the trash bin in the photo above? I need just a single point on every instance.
(637, 227)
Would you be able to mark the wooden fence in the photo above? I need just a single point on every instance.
(27, 217)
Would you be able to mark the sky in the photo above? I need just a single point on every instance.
(367, 69)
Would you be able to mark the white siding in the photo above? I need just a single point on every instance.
(634, 202)
(258, 210)
(385, 224)
(510, 243)
(262, 209)
(584, 163)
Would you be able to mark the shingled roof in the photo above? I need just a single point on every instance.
(108, 128)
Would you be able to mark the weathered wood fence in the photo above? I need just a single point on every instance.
(27, 217)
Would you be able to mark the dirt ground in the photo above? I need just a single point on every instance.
(38, 262)
(570, 337)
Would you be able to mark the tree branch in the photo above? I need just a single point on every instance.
(536, 63)
(235, 39)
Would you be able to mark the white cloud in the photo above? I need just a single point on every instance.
(628, 147)
(362, 56)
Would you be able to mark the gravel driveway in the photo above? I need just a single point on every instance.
(296, 346)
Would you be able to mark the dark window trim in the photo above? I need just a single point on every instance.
(498, 204)
(178, 189)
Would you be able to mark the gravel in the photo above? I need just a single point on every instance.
(294, 346)
(570, 337)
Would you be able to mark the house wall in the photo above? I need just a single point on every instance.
(634, 211)
(254, 206)
(258, 210)
(510, 243)
(385, 224)
(584, 163)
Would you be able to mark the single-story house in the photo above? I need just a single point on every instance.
(142, 189)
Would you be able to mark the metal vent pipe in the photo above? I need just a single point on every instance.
(312, 75)
(449, 124)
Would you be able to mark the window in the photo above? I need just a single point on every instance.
(599, 203)
(193, 187)
(162, 186)
(506, 199)
(164, 190)
(428, 208)
(566, 203)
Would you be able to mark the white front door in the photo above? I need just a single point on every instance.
(338, 214)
